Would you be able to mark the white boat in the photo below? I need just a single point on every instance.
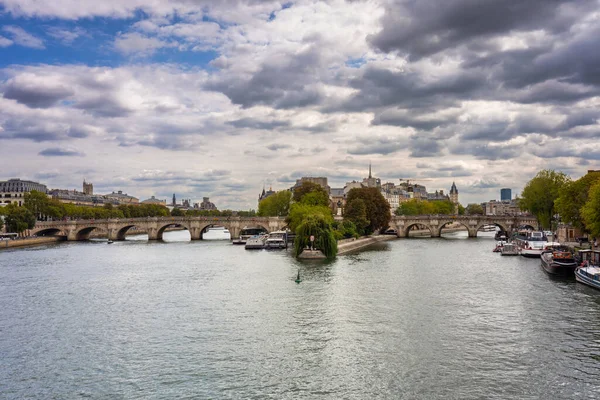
(256, 242)
(276, 240)
(588, 275)
(530, 244)
(216, 233)
(532, 248)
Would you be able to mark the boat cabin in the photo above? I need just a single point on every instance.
(591, 256)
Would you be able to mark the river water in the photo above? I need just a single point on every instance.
(409, 319)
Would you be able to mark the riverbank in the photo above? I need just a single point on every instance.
(347, 245)
(28, 242)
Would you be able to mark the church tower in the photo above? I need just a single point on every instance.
(88, 188)
(454, 197)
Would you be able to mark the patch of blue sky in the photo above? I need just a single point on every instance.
(94, 44)
(356, 62)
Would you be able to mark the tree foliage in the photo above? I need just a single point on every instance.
(424, 207)
(461, 209)
(356, 213)
(177, 212)
(310, 187)
(590, 212)
(300, 211)
(540, 193)
(378, 209)
(573, 196)
(315, 225)
(276, 205)
(474, 209)
(18, 219)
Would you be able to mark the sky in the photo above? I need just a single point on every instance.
(220, 98)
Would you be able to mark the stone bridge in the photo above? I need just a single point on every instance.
(116, 229)
(435, 223)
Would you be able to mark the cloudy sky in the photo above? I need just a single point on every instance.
(218, 97)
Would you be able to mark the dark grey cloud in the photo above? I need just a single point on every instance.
(486, 151)
(60, 152)
(35, 95)
(279, 85)
(259, 124)
(422, 146)
(103, 106)
(426, 27)
(378, 145)
(278, 146)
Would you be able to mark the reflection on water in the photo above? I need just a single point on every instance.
(414, 318)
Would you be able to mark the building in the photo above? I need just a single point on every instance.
(505, 194)
(207, 205)
(265, 194)
(337, 199)
(371, 181)
(88, 188)
(80, 198)
(321, 181)
(154, 200)
(495, 207)
(13, 190)
(122, 198)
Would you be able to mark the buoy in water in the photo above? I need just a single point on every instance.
(298, 280)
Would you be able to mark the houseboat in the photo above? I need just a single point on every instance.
(558, 260)
(589, 271)
(276, 240)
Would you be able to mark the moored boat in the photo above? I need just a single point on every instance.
(256, 242)
(589, 271)
(276, 240)
(510, 249)
(558, 260)
(499, 246)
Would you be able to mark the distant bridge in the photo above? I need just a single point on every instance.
(116, 229)
(472, 223)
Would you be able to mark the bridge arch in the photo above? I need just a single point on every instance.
(84, 233)
(50, 232)
(161, 229)
(121, 233)
(419, 225)
(443, 224)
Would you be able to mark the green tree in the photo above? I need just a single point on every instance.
(474, 209)
(177, 212)
(573, 196)
(300, 211)
(378, 209)
(416, 207)
(276, 205)
(315, 225)
(540, 194)
(461, 209)
(356, 213)
(590, 212)
(444, 207)
(37, 202)
(310, 187)
(18, 219)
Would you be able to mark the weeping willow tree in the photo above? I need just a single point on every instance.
(317, 226)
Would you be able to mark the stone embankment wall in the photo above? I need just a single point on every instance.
(346, 246)
(7, 244)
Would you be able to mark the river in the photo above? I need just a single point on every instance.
(409, 319)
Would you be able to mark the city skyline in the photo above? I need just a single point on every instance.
(215, 99)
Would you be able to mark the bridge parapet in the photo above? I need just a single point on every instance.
(117, 228)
